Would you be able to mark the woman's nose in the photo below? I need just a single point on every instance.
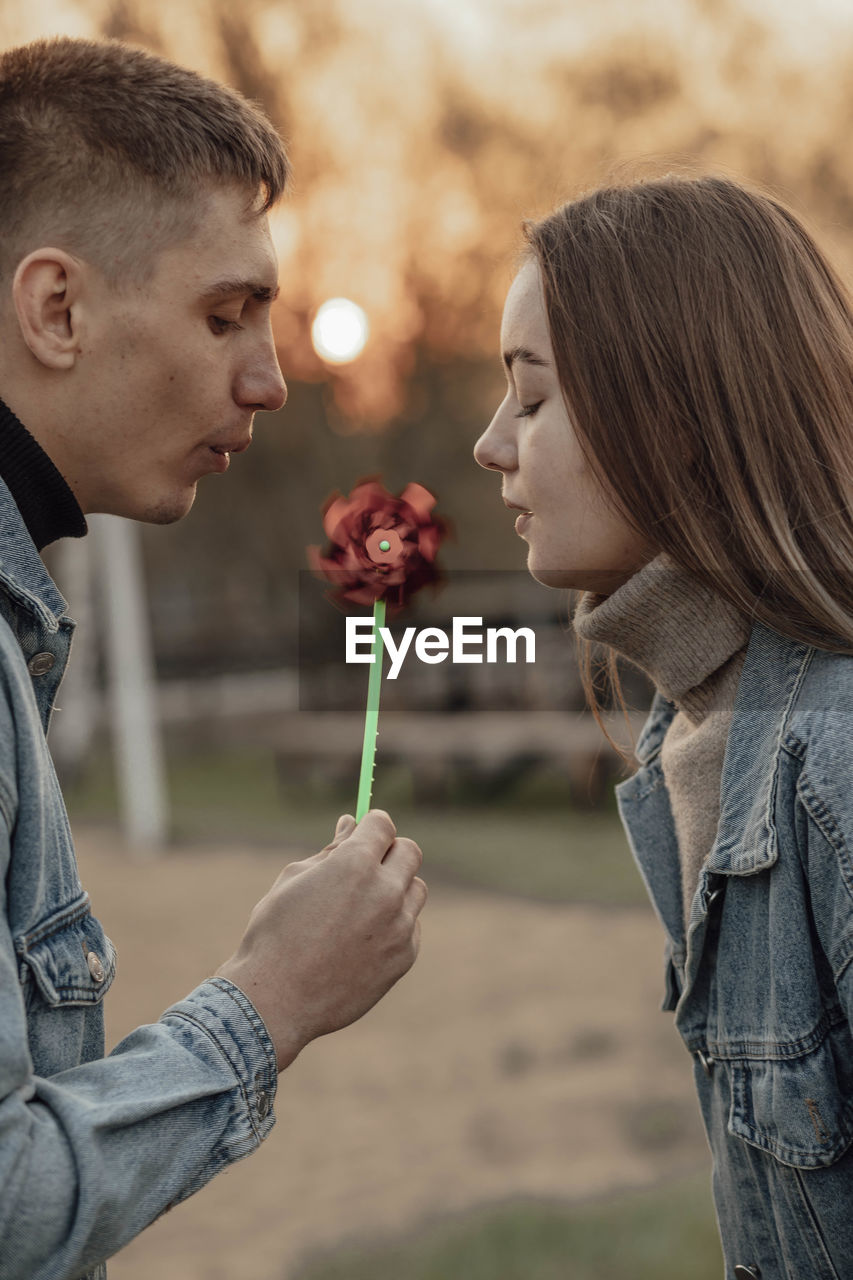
(494, 450)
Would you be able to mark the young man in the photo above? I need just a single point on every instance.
(136, 276)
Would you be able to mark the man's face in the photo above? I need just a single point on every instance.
(169, 374)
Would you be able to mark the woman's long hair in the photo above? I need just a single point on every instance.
(704, 346)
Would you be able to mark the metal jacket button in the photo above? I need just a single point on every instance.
(747, 1273)
(40, 663)
(706, 1060)
(263, 1104)
(95, 967)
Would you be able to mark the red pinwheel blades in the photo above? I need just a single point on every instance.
(381, 547)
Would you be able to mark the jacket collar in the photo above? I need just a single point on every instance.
(673, 626)
(22, 572)
(773, 672)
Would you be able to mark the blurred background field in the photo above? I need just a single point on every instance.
(640, 1236)
(523, 1069)
(527, 841)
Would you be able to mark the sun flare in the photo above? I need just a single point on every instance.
(340, 331)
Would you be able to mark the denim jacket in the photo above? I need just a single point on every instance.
(92, 1149)
(762, 983)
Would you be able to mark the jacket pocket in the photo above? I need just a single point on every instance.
(67, 957)
(798, 1108)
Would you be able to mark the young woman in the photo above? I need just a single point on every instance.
(678, 434)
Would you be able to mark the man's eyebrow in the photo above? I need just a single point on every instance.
(232, 288)
(523, 353)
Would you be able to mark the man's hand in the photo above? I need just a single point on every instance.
(333, 934)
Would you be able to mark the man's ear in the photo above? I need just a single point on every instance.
(45, 289)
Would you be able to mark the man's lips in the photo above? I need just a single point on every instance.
(220, 451)
(227, 446)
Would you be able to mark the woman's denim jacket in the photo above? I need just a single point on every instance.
(762, 985)
(92, 1149)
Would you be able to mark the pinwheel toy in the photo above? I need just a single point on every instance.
(382, 549)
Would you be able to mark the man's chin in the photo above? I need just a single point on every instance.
(168, 513)
(166, 510)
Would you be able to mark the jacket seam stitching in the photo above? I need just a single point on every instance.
(7, 804)
(845, 963)
(791, 1050)
(817, 1229)
(253, 1018)
(188, 1017)
(794, 746)
(822, 817)
(78, 910)
(31, 603)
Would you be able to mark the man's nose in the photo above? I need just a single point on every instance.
(261, 383)
(277, 398)
(274, 386)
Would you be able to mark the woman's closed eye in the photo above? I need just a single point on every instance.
(528, 410)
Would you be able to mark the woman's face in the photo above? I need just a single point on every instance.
(573, 537)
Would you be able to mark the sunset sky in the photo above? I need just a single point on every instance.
(423, 131)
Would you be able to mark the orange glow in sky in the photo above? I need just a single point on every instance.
(423, 131)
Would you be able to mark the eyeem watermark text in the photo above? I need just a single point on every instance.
(433, 645)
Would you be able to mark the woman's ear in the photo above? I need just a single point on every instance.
(45, 290)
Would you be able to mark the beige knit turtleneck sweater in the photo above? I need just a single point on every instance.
(692, 644)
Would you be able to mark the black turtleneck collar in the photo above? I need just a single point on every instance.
(46, 503)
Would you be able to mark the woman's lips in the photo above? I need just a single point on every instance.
(521, 521)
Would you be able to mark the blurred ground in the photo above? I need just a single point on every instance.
(524, 1055)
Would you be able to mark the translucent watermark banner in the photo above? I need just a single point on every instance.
(484, 640)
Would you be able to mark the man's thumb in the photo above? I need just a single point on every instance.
(345, 827)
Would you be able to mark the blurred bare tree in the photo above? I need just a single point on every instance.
(418, 149)
(421, 136)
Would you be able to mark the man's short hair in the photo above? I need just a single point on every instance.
(104, 148)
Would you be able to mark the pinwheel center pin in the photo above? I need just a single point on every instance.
(385, 547)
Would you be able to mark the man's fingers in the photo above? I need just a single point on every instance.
(405, 858)
(344, 827)
(416, 896)
(375, 833)
(343, 830)
(378, 824)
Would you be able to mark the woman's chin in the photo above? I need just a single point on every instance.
(556, 578)
(602, 582)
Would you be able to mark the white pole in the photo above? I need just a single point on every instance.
(136, 736)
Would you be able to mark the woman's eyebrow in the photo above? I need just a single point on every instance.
(232, 288)
(523, 353)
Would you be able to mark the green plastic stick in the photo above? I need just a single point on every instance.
(371, 719)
